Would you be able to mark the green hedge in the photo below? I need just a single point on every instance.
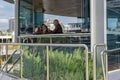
(63, 66)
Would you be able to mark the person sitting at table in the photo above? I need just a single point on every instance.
(45, 29)
(58, 28)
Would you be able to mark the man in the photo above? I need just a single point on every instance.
(58, 28)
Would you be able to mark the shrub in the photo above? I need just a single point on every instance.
(62, 66)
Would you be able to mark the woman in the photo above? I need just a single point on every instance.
(45, 29)
(58, 27)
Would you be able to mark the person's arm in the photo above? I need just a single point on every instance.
(55, 30)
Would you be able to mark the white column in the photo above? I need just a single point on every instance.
(98, 30)
(98, 22)
(16, 19)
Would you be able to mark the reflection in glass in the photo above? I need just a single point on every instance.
(25, 17)
(74, 15)
(113, 21)
(113, 33)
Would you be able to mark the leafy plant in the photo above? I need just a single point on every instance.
(34, 67)
(62, 66)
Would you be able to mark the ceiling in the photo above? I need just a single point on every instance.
(73, 8)
(64, 7)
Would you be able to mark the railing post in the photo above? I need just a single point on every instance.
(106, 66)
(47, 48)
(6, 57)
(102, 60)
(87, 71)
(21, 63)
(94, 58)
(50, 40)
(19, 39)
(0, 56)
(94, 63)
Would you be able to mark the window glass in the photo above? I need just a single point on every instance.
(26, 17)
(73, 15)
(113, 21)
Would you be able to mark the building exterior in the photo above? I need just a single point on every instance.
(31, 13)
(93, 17)
(100, 17)
(7, 37)
(11, 25)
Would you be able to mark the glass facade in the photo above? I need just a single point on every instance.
(28, 16)
(113, 24)
(74, 15)
(113, 33)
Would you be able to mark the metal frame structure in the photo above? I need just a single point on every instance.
(51, 36)
(105, 63)
(98, 15)
(94, 58)
(47, 48)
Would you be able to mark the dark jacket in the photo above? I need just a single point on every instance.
(58, 29)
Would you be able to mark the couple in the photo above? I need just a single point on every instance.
(44, 29)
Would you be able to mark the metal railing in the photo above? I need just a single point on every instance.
(94, 58)
(47, 54)
(82, 38)
(54, 35)
(100, 49)
(105, 65)
(5, 65)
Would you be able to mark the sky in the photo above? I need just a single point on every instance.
(6, 13)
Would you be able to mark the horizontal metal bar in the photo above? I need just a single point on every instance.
(113, 50)
(54, 35)
(117, 42)
(40, 44)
